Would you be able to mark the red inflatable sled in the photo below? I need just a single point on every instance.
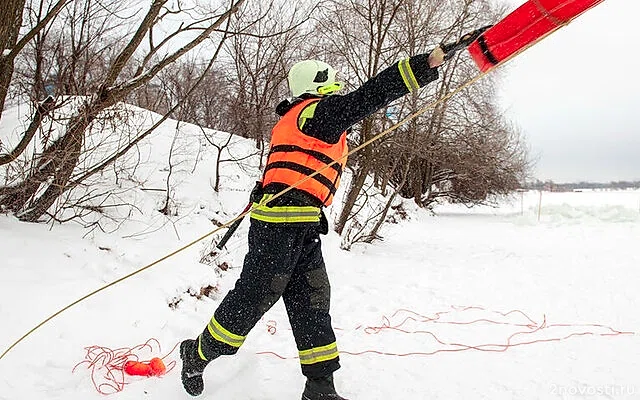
(529, 23)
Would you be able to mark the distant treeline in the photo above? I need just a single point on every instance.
(569, 187)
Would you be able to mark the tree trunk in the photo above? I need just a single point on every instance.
(41, 111)
(417, 183)
(374, 232)
(10, 23)
(354, 189)
(363, 168)
(55, 167)
(57, 187)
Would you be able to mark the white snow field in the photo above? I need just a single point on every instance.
(481, 303)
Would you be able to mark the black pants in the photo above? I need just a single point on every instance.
(283, 260)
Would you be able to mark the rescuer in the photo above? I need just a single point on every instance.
(285, 257)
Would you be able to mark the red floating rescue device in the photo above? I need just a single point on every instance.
(155, 367)
(525, 26)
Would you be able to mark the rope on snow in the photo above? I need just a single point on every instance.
(520, 333)
(110, 367)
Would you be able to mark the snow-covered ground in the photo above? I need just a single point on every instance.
(514, 302)
(576, 266)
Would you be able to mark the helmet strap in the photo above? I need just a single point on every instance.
(329, 89)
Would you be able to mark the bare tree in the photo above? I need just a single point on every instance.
(417, 160)
(11, 13)
(10, 24)
(361, 37)
(63, 58)
(167, 208)
(465, 145)
(365, 227)
(49, 178)
(222, 146)
(260, 58)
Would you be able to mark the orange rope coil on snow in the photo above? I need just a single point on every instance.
(109, 368)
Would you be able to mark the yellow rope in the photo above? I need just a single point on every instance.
(226, 225)
(262, 203)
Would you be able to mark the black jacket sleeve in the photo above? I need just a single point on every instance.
(336, 113)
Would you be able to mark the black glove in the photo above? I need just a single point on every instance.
(450, 49)
(256, 193)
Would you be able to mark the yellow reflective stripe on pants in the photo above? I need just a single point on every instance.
(200, 353)
(319, 354)
(283, 214)
(407, 75)
(221, 334)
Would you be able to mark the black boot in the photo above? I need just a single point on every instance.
(192, 367)
(320, 389)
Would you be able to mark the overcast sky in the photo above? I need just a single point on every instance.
(576, 96)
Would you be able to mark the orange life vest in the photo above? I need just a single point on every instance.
(293, 156)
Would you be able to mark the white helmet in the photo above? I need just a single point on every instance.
(313, 77)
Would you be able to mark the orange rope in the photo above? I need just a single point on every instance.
(522, 330)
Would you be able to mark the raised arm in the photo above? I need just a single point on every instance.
(336, 113)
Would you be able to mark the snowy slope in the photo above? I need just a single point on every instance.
(569, 278)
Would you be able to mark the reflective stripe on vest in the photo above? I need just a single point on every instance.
(294, 156)
(283, 214)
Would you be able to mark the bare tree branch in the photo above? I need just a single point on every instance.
(52, 13)
(130, 48)
(153, 71)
